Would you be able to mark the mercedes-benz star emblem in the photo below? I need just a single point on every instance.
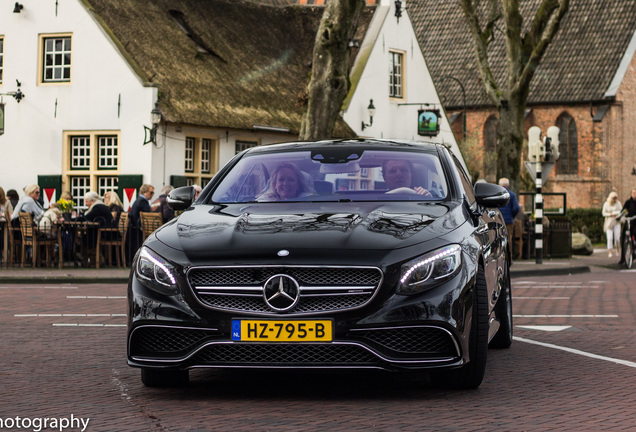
(281, 292)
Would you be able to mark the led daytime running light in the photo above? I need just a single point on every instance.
(451, 250)
(159, 264)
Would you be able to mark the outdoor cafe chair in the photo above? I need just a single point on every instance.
(114, 238)
(32, 237)
(150, 221)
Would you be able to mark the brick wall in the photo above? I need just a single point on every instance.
(600, 149)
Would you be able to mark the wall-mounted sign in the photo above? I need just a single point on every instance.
(428, 122)
(1, 118)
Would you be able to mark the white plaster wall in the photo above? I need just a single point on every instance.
(32, 142)
(391, 119)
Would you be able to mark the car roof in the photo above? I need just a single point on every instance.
(379, 144)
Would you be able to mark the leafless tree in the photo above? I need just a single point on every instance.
(329, 81)
(525, 46)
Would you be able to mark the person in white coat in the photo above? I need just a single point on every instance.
(611, 210)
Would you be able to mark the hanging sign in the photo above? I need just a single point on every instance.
(428, 122)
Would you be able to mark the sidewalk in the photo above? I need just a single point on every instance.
(521, 268)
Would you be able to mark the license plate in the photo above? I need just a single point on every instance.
(282, 330)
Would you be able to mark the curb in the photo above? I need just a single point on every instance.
(550, 271)
(63, 279)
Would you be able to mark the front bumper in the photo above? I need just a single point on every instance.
(391, 333)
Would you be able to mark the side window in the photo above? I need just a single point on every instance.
(465, 179)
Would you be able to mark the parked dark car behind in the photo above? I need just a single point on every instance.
(331, 254)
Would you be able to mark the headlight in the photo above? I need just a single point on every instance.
(156, 273)
(429, 270)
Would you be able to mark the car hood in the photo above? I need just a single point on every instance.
(315, 230)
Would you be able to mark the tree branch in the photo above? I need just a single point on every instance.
(546, 24)
(481, 40)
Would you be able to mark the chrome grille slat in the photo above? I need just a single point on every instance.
(322, 289)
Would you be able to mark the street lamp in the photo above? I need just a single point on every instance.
(371, 110)
(155, 119)
(464, 101)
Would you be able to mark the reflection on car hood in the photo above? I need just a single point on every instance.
(221, 231)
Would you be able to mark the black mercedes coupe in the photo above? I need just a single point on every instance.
(343, 254)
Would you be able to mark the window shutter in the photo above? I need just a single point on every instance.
(50, 188)
(127, 189)
(178, 181)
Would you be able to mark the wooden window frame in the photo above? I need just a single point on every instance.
(393, 94)
(93, 172)
(198, 174)
(41, 64)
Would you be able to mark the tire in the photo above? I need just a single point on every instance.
(471, 374)
(164, 378)
(503, 311)
(628, 252)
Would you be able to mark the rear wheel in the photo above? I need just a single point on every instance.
(164, 378)
(471, 374)
(628, 251)
(503, 311)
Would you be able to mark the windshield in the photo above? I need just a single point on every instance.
(313, 175)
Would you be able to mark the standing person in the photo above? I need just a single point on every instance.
(629, 209)
(510, 210)
(166, 212)
(141, 204)
(611, 209)
(29, 203)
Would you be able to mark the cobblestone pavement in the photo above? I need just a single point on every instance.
(64, 354)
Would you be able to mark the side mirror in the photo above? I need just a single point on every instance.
(491, 195)
(181, 198)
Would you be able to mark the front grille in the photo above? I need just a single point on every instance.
(322, 289)
(420, 341)
(166, 341)
(285, 354)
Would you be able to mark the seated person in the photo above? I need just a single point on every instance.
(286, 183)
(97, 212)
(398, 174)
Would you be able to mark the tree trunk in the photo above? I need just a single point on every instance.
(329, 82)
(510, 141)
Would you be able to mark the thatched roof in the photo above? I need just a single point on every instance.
(220, 63)
(578, 66)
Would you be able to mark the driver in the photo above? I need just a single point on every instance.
(398, 174)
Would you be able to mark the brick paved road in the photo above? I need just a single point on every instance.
(64, 353)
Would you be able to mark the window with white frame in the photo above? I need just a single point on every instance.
(201, 159)
(396, 77)
(239, 146)
(91, 163)
(107, 184)
(80, 152)
(1, 59)
(79, 187)
(206, 146)
(189, 154)
(56, 60)
(107, 149)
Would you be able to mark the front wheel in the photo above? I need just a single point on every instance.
(628, 251)
(471, 374)
(503, 311)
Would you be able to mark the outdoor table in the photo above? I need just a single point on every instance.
(79, 250)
